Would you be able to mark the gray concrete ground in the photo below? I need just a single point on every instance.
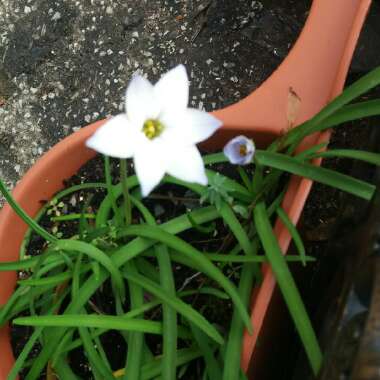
(66, 63)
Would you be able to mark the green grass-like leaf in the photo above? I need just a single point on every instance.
(177, 304)
(288, 287)
(172, 241)
(371, 158)
(95, 254)
(95, 321)
(120, 257)
(328, 177)
(24, 216)
(294, 233)
(249, 272)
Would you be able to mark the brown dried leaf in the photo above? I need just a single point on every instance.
(294, 103)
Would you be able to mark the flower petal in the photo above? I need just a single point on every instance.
(150, 165)
(172, 90)
(191, 126)
(116, 138)
(140, 101)
(187, 165)
(240, 150)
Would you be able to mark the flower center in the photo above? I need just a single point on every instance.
(152, 128)
(243, 150)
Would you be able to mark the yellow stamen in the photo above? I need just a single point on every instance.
(152, 128)
(243, 150)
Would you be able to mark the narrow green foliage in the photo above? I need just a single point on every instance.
(328, 177)
(91, 320)
(288, 287)
(177, 304)
(294, 233)
(124, 186)
(96, 254)
(24, 216)
(371, 158)
(158, 234)
(135, 339)
(110, 190)
(212, 366)
(249, 272)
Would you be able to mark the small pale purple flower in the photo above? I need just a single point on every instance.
(240, 150)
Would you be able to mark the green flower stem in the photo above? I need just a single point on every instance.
(170, 322)
(169, 314)
(127, 198)
(110, 190)
(135, 338)
(70, 217)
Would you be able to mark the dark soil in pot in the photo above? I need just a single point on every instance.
(165, 203)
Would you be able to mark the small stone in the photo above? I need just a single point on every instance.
(158, 210)
(257, 6)
(73, 200)
(132, 21)
(56, 16)
(229, 65)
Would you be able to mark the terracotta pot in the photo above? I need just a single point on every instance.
(315, 68)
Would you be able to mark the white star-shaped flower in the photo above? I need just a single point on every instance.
(158, 131)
